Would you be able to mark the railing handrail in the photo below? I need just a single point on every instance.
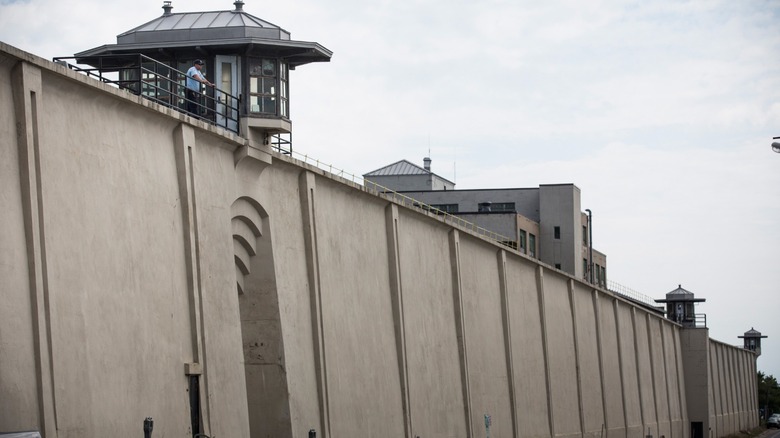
(630, 293)
(400, 198)
(141, 86)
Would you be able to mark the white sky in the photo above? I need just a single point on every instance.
(661, 111)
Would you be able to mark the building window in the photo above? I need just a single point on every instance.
(603, 275)
(557, 232)
(585, 268)
(284, 102)
(268, 87)
(510, 243)
(584, 235)
(447, 208)
(502, 206)
(597, 272)
(521, 236)
(531, 245)
(557, 266)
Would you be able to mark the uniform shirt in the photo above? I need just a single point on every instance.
(193, 84)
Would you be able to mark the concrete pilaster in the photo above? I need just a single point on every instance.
(184, 150)
(545, 348)
(599, 343)
(653, 355)
(396, 290)
(575, 334)
(27, 91)
(638, 374)
(307, 190)
(621, 364)
(457, 298)
(667, 384)
(508, 350)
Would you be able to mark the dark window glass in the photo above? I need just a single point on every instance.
(447, 208)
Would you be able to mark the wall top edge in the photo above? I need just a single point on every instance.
(12, 53)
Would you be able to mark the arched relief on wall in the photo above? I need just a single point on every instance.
(261, 329)
(247, 221)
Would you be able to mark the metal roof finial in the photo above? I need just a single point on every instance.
(167, 6)
(239, 6)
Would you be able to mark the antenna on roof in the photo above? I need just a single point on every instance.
(454, 169)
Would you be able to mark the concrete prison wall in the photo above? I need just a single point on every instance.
(157, 266)
(446, 328)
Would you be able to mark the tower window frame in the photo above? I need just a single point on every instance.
(268, 87)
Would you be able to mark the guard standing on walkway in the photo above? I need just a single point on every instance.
(194, 78)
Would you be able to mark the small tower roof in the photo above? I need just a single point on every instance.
(680, 294)
(752, 333)
(213, 29)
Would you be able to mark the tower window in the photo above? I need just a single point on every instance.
(557, 232)
(268, 87)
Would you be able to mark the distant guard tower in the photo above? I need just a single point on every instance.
(752, 340)
(679, 308)
(248, 59)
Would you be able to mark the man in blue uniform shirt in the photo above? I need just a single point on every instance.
(194, 79)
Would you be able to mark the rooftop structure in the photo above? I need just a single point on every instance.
(544, 222)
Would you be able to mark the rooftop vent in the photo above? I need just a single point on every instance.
(239, 6)
(167, 7)
(427, 163)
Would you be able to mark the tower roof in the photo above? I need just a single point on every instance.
(216, 30)
(752, 333)
(680, 294)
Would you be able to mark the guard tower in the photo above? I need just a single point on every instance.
(249, 60)
(752, 340)
(680, 308)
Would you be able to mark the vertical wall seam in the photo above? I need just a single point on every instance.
(457, 292)
(508, 351)
(396, 292)
(545, 349)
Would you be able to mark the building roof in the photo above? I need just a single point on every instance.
(215, 29)
(402, 168)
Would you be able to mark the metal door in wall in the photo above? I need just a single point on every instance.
(227, 79)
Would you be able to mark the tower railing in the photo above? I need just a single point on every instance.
(161, 83)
